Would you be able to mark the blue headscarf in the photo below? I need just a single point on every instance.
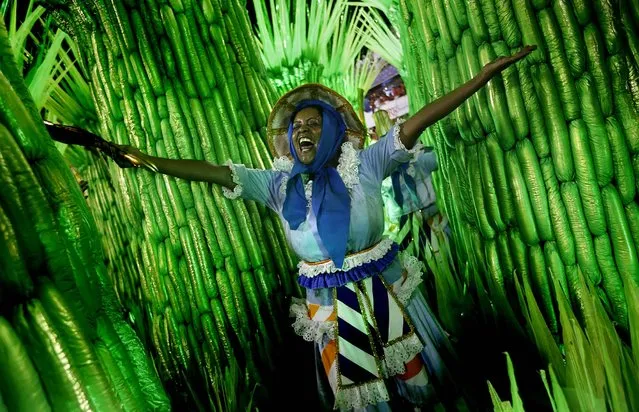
(330, 199)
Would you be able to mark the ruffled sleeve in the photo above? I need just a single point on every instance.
(383, 157)
(255, 184)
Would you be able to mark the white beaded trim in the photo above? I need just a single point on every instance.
(353, 261)
(237, 190)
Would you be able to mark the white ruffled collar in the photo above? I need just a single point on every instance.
(347, 168)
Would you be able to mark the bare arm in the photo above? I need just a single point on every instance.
(194, 170)
(440, 108)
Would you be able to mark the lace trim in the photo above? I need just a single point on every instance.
(399, 145)
(237, 190)
(348, 165)
(283, 164)
(352, 261)
(283, 186)
(414, 269)
(309, 329)
(360, 396)
(396, 355)
(308, 192)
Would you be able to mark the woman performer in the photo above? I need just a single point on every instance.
(362, 309)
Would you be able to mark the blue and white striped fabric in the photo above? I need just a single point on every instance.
(369, 320)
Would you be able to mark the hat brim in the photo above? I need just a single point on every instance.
(280, 117)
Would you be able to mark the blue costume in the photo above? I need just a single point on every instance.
(370, 323)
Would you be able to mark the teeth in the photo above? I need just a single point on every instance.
(305, 140)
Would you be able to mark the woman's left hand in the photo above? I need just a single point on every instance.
(438, 109)
(501, 63)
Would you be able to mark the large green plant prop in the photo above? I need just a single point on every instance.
(63, 343)
(598, 369)
(539, 170)
(380, 37)
(202, 275)
(297, 50)
(47, 57)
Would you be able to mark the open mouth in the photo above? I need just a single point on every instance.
(306, 144)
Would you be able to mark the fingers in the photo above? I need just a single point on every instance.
(125, 147)
(128, 149)
(131, 156)
(522, 53)
(527, 50)
(502, 62)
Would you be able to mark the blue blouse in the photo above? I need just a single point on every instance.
(362, 171)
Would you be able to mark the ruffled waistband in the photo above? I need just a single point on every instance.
(370, 263)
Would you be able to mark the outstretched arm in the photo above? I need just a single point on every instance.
(260, 185)
(440, 108)
(129, 156)
(195, 170)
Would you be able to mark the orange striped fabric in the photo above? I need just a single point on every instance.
(320, 313)
(328, 356)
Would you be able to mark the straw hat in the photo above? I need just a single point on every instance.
(280, 118)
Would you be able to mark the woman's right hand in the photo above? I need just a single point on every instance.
(193, 170)
(130, 156)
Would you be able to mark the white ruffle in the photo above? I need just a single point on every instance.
(348, 165)
(347, 168)
(283, 186)
(350, 262)
(237, 190)
(308, 192)
(396, 355)
(283, 164)
(399, 145)
(413, 269)
(360, 396)
(309, 329)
